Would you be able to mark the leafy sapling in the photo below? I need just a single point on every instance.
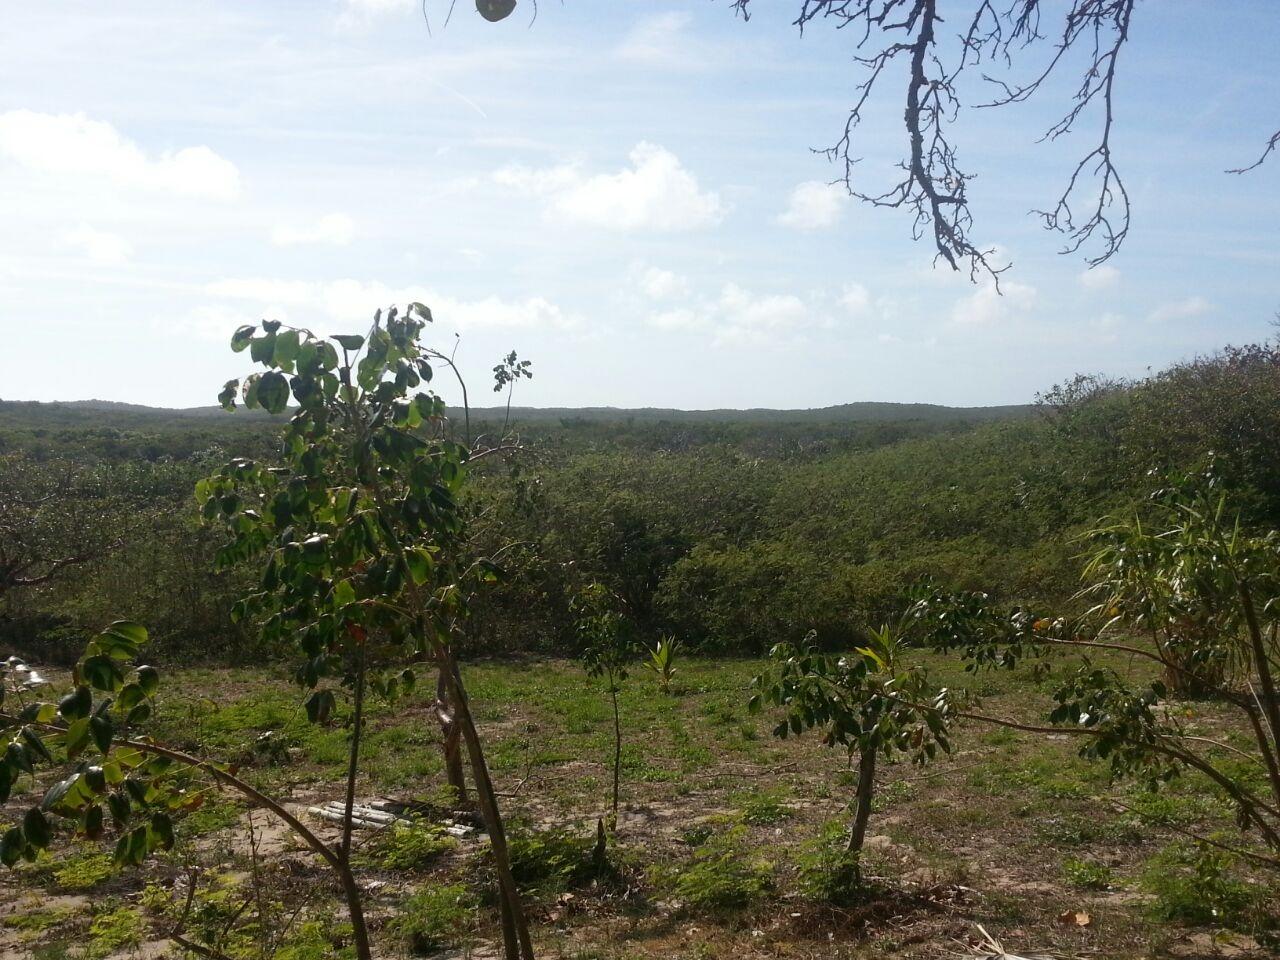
(100, 777)
(871, 703)
(607, 648)
(1187, 590)
(359, 531)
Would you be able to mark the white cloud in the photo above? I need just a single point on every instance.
(658, 284)
(739, 316)
(359, 13)
(814, 205)
(1104, 277)
(856, 299)
(351, 301)
(333, 228)
(658, 40)
(1186, 309)
(986, 306)
(99, 245)
(71, 147)
(746, 318)
(682, 318)
(656, 193)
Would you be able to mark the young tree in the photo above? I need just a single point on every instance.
(98, 773)
(872, 703)
(360, 533)
(607, 648)
(1205, 594)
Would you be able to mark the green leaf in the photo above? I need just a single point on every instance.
(118, 804)
(123, 639)
(240, 339)
(286, 351)
(343, 594)
(139, 714)
(261, 349)
(102, 730)
(76, 704)
(148, 679)
(15, 755)
(91, 824)
(103, 673)
(131, 694)
(162, 831)
(77, 737)
(35, 744)
(11, 846)
(319, 706)
(273, 392)
(227, 396)
(349, 341)
(55, 794)
(420, 564)
(35, 827)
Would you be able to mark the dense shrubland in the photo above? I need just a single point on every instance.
(731, 536)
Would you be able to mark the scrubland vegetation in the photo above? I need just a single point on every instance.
(879, 708)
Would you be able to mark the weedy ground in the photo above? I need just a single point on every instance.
(727, 846)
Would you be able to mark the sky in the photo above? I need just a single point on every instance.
(624, 192)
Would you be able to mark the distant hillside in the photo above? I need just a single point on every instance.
(865, 412)
(86, 413)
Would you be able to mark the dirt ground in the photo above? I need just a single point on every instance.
(1013, 839)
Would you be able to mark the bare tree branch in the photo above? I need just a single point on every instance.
(1271, 145)
(934, 186)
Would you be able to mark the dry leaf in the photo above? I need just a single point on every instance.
(1078, 918)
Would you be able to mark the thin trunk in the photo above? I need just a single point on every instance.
(519, 945)
(617, 751)
(1270, 707)
(452, 739)
(862, 803)
(349, 885)
(1265, 747)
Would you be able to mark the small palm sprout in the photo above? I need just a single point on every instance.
(661, 662)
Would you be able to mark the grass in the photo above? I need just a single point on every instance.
(719, 820)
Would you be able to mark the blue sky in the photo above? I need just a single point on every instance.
(624, 193)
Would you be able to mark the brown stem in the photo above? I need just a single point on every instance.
(519, 945)
(451, 738)
(350, 887)
(1270, 707)
(336, 862)
(1264, 746)
(862, 802)
(617, 750)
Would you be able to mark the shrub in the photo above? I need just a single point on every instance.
(1199, 885)
(826, 871)
(1086, 875)
(763, 809)
(721, 877)
(435, 918)
(413, 847)
(551, 860)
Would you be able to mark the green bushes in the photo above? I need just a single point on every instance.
(435, 917)
(721, 875)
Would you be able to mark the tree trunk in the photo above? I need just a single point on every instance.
(862, 804)
(518, 944)
(349, 885)
(617, 752)
(1262, 665)
(452, 739)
